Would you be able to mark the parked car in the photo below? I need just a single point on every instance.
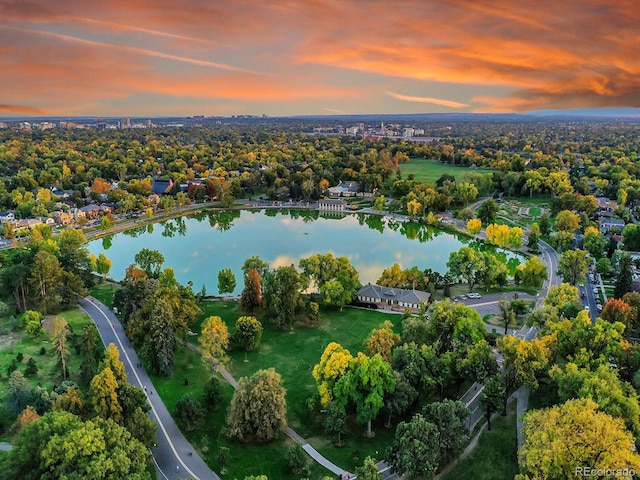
(463, 297)
(599, 306)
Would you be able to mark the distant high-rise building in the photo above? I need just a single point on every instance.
(125, 123)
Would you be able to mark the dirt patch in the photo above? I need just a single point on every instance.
(47, 323)
(9, 339)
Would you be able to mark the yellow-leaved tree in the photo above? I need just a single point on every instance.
(498, 234)
(334, 363)
(562, 441)
(474, 226)
(214, 340)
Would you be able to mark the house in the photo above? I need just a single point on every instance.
(162, 186)
(47, 221)
(606, 205)
(63, 218)
(91, 211)
(7, 217)
(607, 224)
(344, 189)
(331, 205)
(393, 298)
(28, 223)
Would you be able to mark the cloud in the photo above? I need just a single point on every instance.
(434, 101)
(27, 110)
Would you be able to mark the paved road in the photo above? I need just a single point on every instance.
(171, 455)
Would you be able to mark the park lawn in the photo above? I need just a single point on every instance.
(244, 459)
(294, 353)
(495, 456)
(48, 375)
(540, 200)
(431, 170)
(104, 292)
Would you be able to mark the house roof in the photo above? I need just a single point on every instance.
(396, 294)
(162, 185)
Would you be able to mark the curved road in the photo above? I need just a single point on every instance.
(171, 455)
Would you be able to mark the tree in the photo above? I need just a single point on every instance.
(334, 363)
(498, 234)
(571, 436)
(603, 266)
(188, 412)
(46, 276)
(281, 294)
(212, 394)
(368, 470)
(33, 323)
(18, 392)
(60, 445)
(214, 340)
(573, 265)
(453, 324)
(567, 221)
(487, 211)
(90, 352)
(26, 417)
(112, 361)
(379, 203)
(334, 277)
(392, 276)
(401, 399)
(248, 332)
(465, 192)
(533, 240)
(150, 261)
(256, 263)
(226, 281)
(381, 340)
(507, 313)
(103, 266)
(251, 296)
(479, 363)
(450, 418)
(617, 310)
(104, 396)
(631, 236)
(335, 422)
(532, 273)
(545, 224)
(258, 409)
(561, 295)
(159, 348)
(593, 242)
(474, 226)
(296, 459)
(468, 264)
(522, 362)
(492, 397)
(624, 278)
(59, 339)
(415, 449)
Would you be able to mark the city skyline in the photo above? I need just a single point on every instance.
(164, 58)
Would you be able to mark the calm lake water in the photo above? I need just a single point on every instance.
(198, 247)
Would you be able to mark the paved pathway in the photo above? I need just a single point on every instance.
(174, 456)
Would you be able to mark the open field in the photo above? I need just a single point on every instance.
(495, 456)
(431, 170)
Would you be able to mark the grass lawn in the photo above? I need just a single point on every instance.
(244, 459)
(495, 456)
(14, 342)
(293, 353)
(538, 200)
(104, 293)
(431, 170)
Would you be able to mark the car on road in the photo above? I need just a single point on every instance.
(586, 307)
(462, 297)
(599, 306)
(474, 295)
(581, 285)
(595, 290)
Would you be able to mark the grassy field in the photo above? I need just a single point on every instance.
(495, 456)
(431, 170)
(293, 353)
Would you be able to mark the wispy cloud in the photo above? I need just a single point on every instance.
(21, 109)
(431, 100)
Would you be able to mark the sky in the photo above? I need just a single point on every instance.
(139, 58)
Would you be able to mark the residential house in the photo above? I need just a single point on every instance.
(392, 298)
(162, 186)
(63, 218)
(7, 217)
(607, 224)
(344, 189)
(91, 211)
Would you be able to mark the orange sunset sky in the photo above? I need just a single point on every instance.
(291, 57)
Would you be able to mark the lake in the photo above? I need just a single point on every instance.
(197, 247)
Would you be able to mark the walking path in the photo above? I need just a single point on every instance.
(174, 456)
(306, 446)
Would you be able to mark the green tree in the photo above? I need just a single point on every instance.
(258, 410)
(379, 203)
(453, 324)
(90, 352)
(468, 264)
(492, 397)
(112, 361)
(46, 276)
(415, 449)
(334, 422)
(103, 266)
(382, 340)
(248, 332)
(624, 278)
(603, 266)
(573, 265)
(33, 323)
(188, 412)
(594, 242)
(18, 392)
(545, 224)
(567, 221)
(281, 294)
(479, 363)
(368, 470)
(487, 212)
(226, 281)
(450, 418)
(150, 261)
(212, 394)
(296, 459)
(533, 240)
(159, 348)
(561, 295)
(532, 273)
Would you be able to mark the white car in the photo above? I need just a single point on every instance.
(586, 307)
